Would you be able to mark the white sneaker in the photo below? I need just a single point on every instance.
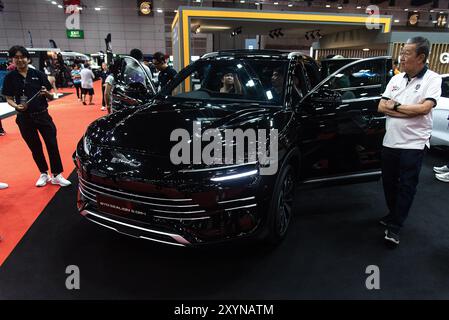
(59, 179)
(103, 108)
(3, 185)
(43, 179)
(443, 169)
(443, 177)
(55, 96)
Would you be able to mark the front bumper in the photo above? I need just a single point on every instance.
(187, 213)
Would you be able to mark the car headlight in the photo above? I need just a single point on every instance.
(235, 175)
(87, 145)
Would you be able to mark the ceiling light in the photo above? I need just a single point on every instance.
(176, 10)
(97, 9)
(441, 12)
(432, 10)
(53, 2)
(365, 49)
(59, 6)
(159, 10)
(257, 3)
(197, 0)
(415, 11)
(359, 7)
(434, 21)
(340, 7)
(405, 9)
(396, 20)
(242, 1)
(276, 3)
(328, 5)
(290, 5)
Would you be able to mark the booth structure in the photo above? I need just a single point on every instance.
(182, 24)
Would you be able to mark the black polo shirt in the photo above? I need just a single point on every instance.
(15, 85)
(166, 75)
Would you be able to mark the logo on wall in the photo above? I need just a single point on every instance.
(441, 20)
(145, 8)
(413, 19)
(444, 58)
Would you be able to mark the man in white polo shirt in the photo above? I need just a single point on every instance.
(407, 103)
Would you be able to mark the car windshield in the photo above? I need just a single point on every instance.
(227, 78)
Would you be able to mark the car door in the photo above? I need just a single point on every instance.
(341, 130)
(133, 85)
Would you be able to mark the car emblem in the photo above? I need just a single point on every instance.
(121, 158)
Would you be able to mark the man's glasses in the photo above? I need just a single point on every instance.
(19, 57)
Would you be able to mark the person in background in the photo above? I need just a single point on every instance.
(19, 88)
(396, 68)
(109, 84)
(442, 173)
(87, 83)
(166, 73)
(76, 78)
(50, 71)
(407, 102)
(103, 75)
(11, 66)
(2, 131)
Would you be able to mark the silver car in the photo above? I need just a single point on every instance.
(440, 132)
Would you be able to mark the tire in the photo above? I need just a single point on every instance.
(281, 206)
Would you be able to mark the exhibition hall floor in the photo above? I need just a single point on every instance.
(333, 239)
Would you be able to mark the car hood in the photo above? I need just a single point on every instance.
(148, 129)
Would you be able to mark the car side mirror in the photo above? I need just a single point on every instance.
(325, 95)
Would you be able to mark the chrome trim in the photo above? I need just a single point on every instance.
(242, 207)
(218, 168)
(130, 194)
(168, 211)
(161, 241)
(357, 175)
(136, 201)
(142, 202)
(175, 237)
(103, 225)
(242, 199)
(86, 196)
(181, 219)
(371, 86)
(362, 99)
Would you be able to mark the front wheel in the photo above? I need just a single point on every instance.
(281, 206)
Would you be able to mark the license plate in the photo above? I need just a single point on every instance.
(117, 206)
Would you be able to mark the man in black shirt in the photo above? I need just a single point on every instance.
(166, 73)
(26, 90)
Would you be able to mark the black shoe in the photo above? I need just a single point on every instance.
(2, 132)
(386, 220)
(391, 237)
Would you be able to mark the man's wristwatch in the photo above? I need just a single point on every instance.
(396, 105)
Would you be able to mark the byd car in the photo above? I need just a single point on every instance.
(329, 131)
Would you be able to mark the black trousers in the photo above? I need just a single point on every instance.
(400, 176)
(78, 90)
(30, 126)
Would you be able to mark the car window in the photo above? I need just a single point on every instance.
(361, 80)
(131, 73)
(445, 87)
(229, 78)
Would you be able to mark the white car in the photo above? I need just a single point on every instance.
(440, 132)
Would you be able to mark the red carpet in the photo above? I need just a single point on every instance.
(22, 202)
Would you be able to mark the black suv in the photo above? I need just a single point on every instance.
(329, 131)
